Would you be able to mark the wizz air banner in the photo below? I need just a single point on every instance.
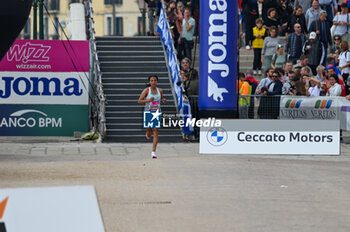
(218, 55)
(44, 88)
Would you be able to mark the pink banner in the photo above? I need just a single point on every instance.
(47, 56)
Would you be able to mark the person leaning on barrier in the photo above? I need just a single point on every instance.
(288, 84)
(315, 87)
(193, 86)
(335, 89)
(265, 81)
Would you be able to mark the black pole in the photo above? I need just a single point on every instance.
(41, 19)
(35, 19)
(114, 31)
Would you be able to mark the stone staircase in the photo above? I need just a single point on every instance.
(126, 63)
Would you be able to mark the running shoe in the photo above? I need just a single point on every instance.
(154, 156)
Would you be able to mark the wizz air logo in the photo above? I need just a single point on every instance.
(29, 53)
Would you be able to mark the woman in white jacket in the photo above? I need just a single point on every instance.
(335, 89)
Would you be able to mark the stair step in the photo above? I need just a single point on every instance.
(131, 114)
(129, 42)
(130, 53)
(129, 48)
(140, 84)
(131, 58)
(133, 69)
(141, 63)
(131, 126)
(127, 38)
(136, 107)
(142, 138)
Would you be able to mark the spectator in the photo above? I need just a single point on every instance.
(324, 84)
(344, 64)
(320, 72)
(315, 87)
(332, 71)
(186, 43)
(305, 71)
(295, 43)
(314, 49)
(151, 15)
(312, 14)
(305, 4)
(335, 88)
(288, 66)
(335, 48)
(269, 48)
(258, 42)
(266, 6)
(279, 58)
(285, 10)
(193, 85)
(331, 7)
(322, 29)
(178, 22)
(250, 11)
(275, 90)
(265, 81)
(300, 88)
(172, 15)
(342, 23)
(303, 62)
(272, 20)
(297, 17)
(264, 105)
(253, 83)
(289, 85)
(245, 91)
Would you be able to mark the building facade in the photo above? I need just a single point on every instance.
(127, 18)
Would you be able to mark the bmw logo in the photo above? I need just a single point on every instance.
(217, 136)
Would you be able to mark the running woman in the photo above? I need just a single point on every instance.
(151, 97)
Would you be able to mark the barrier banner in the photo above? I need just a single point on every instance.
(54, 209)
(320, 108)
(218, 55)
(44, 88)
(267, 137)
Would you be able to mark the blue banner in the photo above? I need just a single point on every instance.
(164, 32)
(218, 55)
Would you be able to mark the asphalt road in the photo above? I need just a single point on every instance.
(185, 191)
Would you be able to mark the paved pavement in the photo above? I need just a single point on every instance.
(185, 191)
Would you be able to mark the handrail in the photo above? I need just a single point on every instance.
(99, 105)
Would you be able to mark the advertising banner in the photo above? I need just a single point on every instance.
(279, 137)
(319, 108)
(47, 56)
(54, 209)
(44, 88)
(218, 55)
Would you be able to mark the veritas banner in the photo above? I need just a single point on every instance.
(218, 55)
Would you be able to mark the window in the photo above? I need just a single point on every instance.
(26, 30)
(54, 5)
(75, 1)
(118, 26)
(109, 2)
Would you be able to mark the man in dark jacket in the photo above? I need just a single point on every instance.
(151, 14)
(315, 52)
(251, 13)
(323, 31)
(274, 93)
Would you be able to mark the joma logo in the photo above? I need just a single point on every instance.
(29, 52)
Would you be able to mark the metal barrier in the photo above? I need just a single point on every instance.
(99, 104)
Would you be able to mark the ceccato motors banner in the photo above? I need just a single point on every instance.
(44, 81)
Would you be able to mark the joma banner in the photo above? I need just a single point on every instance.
(218, 56)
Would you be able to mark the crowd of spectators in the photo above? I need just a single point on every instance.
(302, 46)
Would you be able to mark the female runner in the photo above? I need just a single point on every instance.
(151, 97)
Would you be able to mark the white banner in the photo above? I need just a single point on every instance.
(49, 88)
(53, 209)
(280, 137)
(319, 108)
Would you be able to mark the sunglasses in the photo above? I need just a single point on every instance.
(336, 39)
(275, 76)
